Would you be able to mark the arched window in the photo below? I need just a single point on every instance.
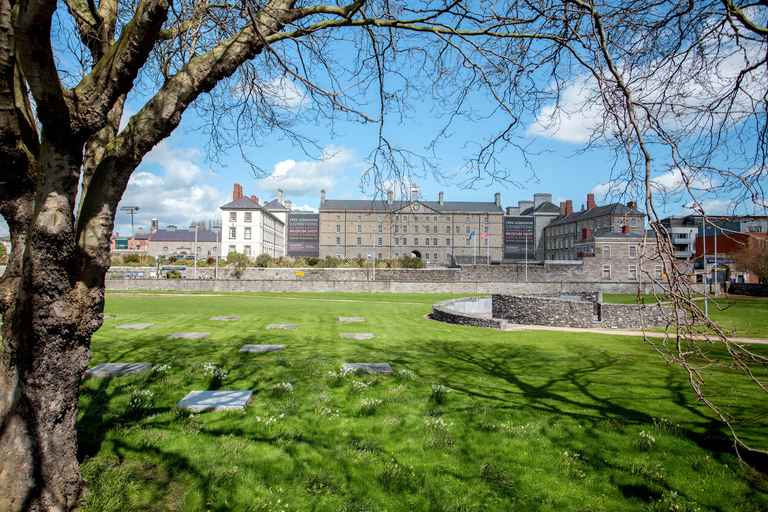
(165, 251)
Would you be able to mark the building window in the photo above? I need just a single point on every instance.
(397, 241)
(486, 242)
(359, 241)
(657, 272)
(405, 241)
(247, 216)
(380, 242)
(458, 230)
(434, 219)
(426, 241)
(397, 255)
(633, 222)
(359, 218)
(427, 229)
(447, 242)
(338, 240)
(447, 230)
(247, 233)
(469, 230)
(397, 229)
(359, 228)
(467, 242)
(415, 218)
(380, 218)
(338, 255)
(233, 216)
(165, 251)
(447, 219)
(606, 271)
(606, 252)
(405, 218)
(232, 232)
(416, 229)
(633, 272)
(434, 241)
(632, 251)
(232, 248)
(468, 220)
(397, 218)
(247, 250)
(338, 218)
(415, 241)
(380, 229)
(405, 229)
(338, 228)
(359, 255)
(448, 257)
(486, 221)
(379, 256)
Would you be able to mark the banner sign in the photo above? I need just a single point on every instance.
(303, 235)
(518, 230)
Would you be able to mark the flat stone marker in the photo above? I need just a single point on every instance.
(133, 326)
(351, 319)
(262, 348)
(199, 401)
(115, 369)
(282, 326)
(369, 367)
(226, 318)
(357, 335)
(188, 335)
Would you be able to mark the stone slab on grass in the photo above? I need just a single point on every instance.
(262, 348)
(369, 367)
(225, 318)
(351, 319)
(117, 369)
(357, 335)
(188, 335)
(282, 326)
(133, 326)
(199, 401)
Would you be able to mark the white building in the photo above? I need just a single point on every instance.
(250, 229)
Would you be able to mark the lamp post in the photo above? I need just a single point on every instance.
(194, 249)
(217, 230)
(131, 211)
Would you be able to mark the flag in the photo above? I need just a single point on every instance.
(484, 235)
(473, 234)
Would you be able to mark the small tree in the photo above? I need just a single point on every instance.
(753, 258)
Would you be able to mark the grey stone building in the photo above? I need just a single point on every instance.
(540, 212)
(434, 231)
(173, 241)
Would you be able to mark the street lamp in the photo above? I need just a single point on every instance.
(131, 211)
(217, 230)
(194, 249)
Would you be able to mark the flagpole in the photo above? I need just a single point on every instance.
(474, 253)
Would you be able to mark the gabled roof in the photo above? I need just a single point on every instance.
(599, 211)
(274, 205)
(244, 203)
(184, 235)
(545, 207)
(380, 205)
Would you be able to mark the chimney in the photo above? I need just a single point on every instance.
(237, 193)
(322, 197)
(497, 199)
(390, 197)
(562, 208)
(440, 199)
(280, 196)
(625, 229)
(141, 230)
(568, 207)
(155, 226)
(591, 201)
(255, 199)
(288, 204)
(117, 235)
(170, 227)
(524, 205)
(414, 192)
(632, 205)
(513, 210)
(539, 199)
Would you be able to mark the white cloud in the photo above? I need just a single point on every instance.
(675, 180)
(305, 208)
(170, 186)
(309, 177)
(574, 118)
(601, 191)
(4, 229)
(286, 93)
(711, 207)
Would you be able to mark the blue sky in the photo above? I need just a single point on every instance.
(177, 184)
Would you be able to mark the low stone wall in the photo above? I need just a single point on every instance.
(752, 290)
(587, 313)
(466, 311)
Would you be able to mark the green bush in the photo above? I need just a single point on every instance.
(173, 274)
(263, 260)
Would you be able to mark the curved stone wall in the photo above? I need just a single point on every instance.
(475, 311)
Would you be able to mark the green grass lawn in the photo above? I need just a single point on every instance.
(539, 421)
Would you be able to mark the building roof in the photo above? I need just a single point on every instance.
(274, 205)
(598, 211)
(380, 205)
(244, 203)
(545, 207)
(623, 235)
(184, 235)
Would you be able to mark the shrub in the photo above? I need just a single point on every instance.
(211, 261)
(173, 274)
(263, 260)
(312, 262)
